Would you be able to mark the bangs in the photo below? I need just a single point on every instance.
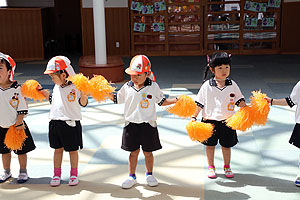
(220, 58)
(3, 61)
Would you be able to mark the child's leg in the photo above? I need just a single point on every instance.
(226, 155)
(57, 158)
(210, 155)
(74, 168)
(149, 161)
(6, 159)
(22, 161)
(133, 159)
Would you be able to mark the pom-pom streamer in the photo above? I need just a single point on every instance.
(260, 107)
(242, 119)
(185, 107)
(100, 88)
(81, 82)
(14, 139)
(30, 90)
(199, 131)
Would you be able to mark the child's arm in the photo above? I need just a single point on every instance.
(242, 104)
(44, 92)
(19, 123)
(84, 99)
(278, 102)
(169, 101)
(194, 118)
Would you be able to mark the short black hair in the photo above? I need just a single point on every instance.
(62, 71)
(7, 64)
(218, 59)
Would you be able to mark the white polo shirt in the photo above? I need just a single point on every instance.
(65, 103)
(218, 103)
(12, 103)
(294, 99)
(140, 104)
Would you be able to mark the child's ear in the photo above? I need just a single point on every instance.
(212, 70)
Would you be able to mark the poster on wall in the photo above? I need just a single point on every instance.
(137, 6)
(255, 7)
(139, 27)
(147, 9)
(159, 6)
(274, 3)
(267, 22)
(158, 27)
(251, 22)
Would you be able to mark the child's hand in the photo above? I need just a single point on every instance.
(269, 100)
(19, 126)
(111, 96)
(193, 119)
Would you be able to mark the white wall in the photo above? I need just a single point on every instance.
(107, 3)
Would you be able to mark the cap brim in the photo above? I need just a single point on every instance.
(48, 72)
(131, 72)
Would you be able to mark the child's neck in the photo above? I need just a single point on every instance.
(5, 85)
(138, 86)
(220, 82)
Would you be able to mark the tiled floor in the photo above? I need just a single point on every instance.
(265, 164)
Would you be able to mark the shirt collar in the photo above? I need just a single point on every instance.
(14, 84)
(212, 82)
(147, 82)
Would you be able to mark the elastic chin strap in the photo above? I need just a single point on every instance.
(12, 75)
(152, 77)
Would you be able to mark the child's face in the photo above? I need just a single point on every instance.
(4, 74)
(58, 78)
(222, 71)
(139, 79)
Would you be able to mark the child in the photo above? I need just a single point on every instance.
(13, 109)
(293, 99)
(217, 98)
(65, 131)
(140, 95)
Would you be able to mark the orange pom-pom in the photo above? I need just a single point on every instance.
(260, 107)
(14, 139)
(242, 119)
(81, 82)
(199, 131)
(100, 88)
(29, 90)
(184, 107)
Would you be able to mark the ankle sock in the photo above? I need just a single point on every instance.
(148, 173)
(7, 171)
(226, 166)
(74, 172)
(57, 172)
(133, 176)
(211, 166)
(23, 171)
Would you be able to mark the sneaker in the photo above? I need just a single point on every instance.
(73, 181)
(228, 173)
(129, 183)
(4, 177)
(211, 173)
(297, 182)
(55, 181)
(22, 178)
(151, 181)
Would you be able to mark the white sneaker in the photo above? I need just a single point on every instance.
(151, 181)
(129, 183)
(73, 181)
(297, 182)
(4, 177)
(55, 181)
(22, 178)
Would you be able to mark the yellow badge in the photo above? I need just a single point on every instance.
(14, 102)
(72, 96)
(144, 103)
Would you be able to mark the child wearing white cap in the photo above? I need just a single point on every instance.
(140, 95)
(65, 131)
(13, 108)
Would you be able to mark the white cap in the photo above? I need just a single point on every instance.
(12, 64)
(58, 63)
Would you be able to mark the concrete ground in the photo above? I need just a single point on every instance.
(264, 163)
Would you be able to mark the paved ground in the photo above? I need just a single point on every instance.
(265, 164)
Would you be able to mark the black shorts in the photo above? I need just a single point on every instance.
(63, 135)
(227, 137)
(27, 146)
(295, 138)
(136, 135)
